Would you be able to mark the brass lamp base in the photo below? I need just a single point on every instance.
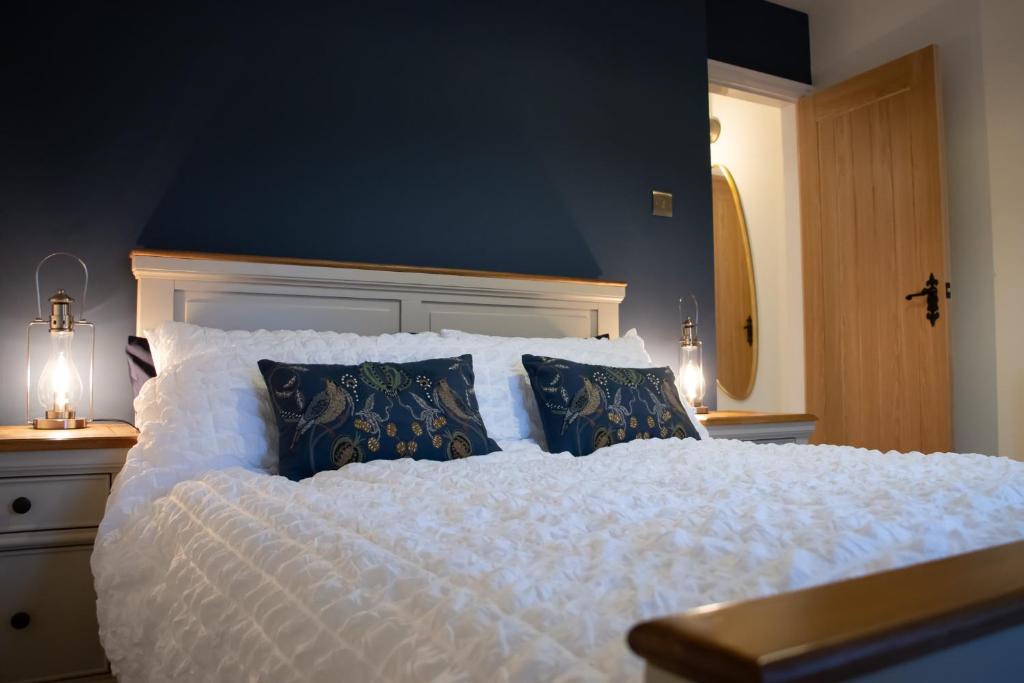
(700, 410)
(58, 423)
(57, 419)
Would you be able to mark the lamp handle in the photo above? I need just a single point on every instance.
(85, 287)
(696, 310)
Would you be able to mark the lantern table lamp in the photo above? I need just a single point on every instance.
(58, 390)
(690, 378)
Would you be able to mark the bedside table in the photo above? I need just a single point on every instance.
(759, 427)
(53, 491)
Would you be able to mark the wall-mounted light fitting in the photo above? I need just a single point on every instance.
(716, 129)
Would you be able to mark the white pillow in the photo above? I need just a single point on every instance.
(209, 407)
(173, 342)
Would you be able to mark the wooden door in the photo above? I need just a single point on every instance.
(874, 229)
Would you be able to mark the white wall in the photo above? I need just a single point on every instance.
(1002, 24)
(981, 65)
(753, 147)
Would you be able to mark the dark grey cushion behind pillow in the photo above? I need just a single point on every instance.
(140, 363)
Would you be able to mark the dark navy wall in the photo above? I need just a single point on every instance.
(524, 138)
(760, 35)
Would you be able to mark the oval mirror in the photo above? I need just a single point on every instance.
(735, 300)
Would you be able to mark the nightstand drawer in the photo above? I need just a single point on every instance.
(37, 503)
(48, 615)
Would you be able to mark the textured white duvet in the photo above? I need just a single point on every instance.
(518, 566)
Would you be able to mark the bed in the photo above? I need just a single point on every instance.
(519, 565)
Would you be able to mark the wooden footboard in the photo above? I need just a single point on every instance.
(959, 618)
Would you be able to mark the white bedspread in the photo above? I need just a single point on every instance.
(517, 566)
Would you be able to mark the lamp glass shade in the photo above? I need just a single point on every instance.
(690, 378)
(60, 389)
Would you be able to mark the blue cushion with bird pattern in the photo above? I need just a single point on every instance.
(587, 407)
(332, 415)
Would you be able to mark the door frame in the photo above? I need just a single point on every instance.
(742, 83)
(770, 89)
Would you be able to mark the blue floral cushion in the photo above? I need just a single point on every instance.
(586, 407)
(332, 415)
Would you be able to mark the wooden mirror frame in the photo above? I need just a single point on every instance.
(720, 169)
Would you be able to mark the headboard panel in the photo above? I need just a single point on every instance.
(244, 292)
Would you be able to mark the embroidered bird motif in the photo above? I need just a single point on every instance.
(327, 406)
(452, 403)
(584, 404)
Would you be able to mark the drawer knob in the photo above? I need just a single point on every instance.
(21, 505)
(20, 620)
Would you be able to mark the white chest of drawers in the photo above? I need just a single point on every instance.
(53, 491)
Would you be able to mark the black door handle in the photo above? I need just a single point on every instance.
(749, 327)
(931, 292)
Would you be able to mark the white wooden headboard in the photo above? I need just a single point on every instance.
(248, 293)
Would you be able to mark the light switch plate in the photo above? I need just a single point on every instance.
(661, 203)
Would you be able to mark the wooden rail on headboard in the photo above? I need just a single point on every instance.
(840, 630)
(358, 265)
